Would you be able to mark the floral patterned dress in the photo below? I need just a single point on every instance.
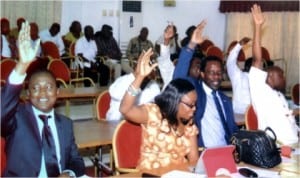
(161, 145)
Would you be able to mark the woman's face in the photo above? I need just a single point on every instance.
(187, 108)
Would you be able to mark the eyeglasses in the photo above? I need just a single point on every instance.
(247, 172)
(188, 105)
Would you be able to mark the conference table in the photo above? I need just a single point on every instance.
(94, 134)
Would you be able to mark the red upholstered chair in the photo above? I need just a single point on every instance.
(215, 51)
(3, 156)
(126, 144)
(295, 90)
(50, 50)
(205, 45)
(102, 105)
(7, 65)
(63, 74)
(251, 119)
(265, 53)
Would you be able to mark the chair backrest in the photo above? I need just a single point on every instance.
(241, 55)
(251, 119)
(60, 70)
(215, 51)
(265, 53)
(295, 94)
(126, 144)
(102, 105)
(7, 65)
(50, 49)
(3, 156)
(205, 45)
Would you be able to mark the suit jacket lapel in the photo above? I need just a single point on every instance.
(32, 122)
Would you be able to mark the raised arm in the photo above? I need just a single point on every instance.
(26, 51)
(128, 108)
(258, 19)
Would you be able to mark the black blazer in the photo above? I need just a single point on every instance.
(23, 141)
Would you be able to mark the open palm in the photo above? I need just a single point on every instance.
(257, 15)
(26, 51)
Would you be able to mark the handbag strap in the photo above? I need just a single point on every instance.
(269, 129)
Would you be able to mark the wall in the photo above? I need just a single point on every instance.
(154, 16)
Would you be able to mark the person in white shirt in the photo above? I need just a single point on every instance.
(239, 79)
(53, 35)
(86, 48)
(266, 88)
(5, 50)
(150, 88)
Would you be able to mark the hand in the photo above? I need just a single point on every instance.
(244, 41)
(26, 51)
(144, 66)
(197, 36)
(257, 15)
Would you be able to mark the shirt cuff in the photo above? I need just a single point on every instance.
(15, 78)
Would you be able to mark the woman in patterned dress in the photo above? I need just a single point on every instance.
(169, 132)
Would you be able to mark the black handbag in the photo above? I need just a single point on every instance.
(256, 147)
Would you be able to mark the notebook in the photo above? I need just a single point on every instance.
(216, 161)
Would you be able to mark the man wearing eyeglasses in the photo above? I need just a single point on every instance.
(214, 114)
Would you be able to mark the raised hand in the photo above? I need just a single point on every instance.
(257, 15)
(26, 51)
(144, 66)
(197, 36)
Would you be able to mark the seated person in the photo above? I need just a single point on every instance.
(169, 132)
(32, 150)
(214, 114)
(86, 48)
(109, 49)
(149, 89)
(266, 90)
(136, 46)
(52, 34)
(73, 35)
(6, 52)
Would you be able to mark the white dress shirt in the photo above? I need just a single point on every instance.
(271, 108)
(87, 48)
(239, 81)
(57, 39)
(5, 51)
(212, 129)
(118, 89)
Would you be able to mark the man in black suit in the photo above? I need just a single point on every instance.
(22, 128)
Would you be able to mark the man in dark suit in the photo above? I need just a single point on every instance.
(22, 128)
(216, 124)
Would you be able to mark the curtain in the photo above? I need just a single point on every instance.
(244, 6)
(44, 13)
(280, 35)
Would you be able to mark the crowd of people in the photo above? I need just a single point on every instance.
(187, 112)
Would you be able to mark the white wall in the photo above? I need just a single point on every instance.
(154, 16)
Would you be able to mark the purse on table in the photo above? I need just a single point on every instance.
(256, 147)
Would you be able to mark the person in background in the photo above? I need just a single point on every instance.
(34, 35)
(169, 133)
(214, 115)
(239, 79)
(86, 48)
(266, 90)
(174, 45)
(13, 36)
(109, 49)
(23, 129)
(73, 35)
(52, 34)
(5, 47)
(149, 89)
(136, 46)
